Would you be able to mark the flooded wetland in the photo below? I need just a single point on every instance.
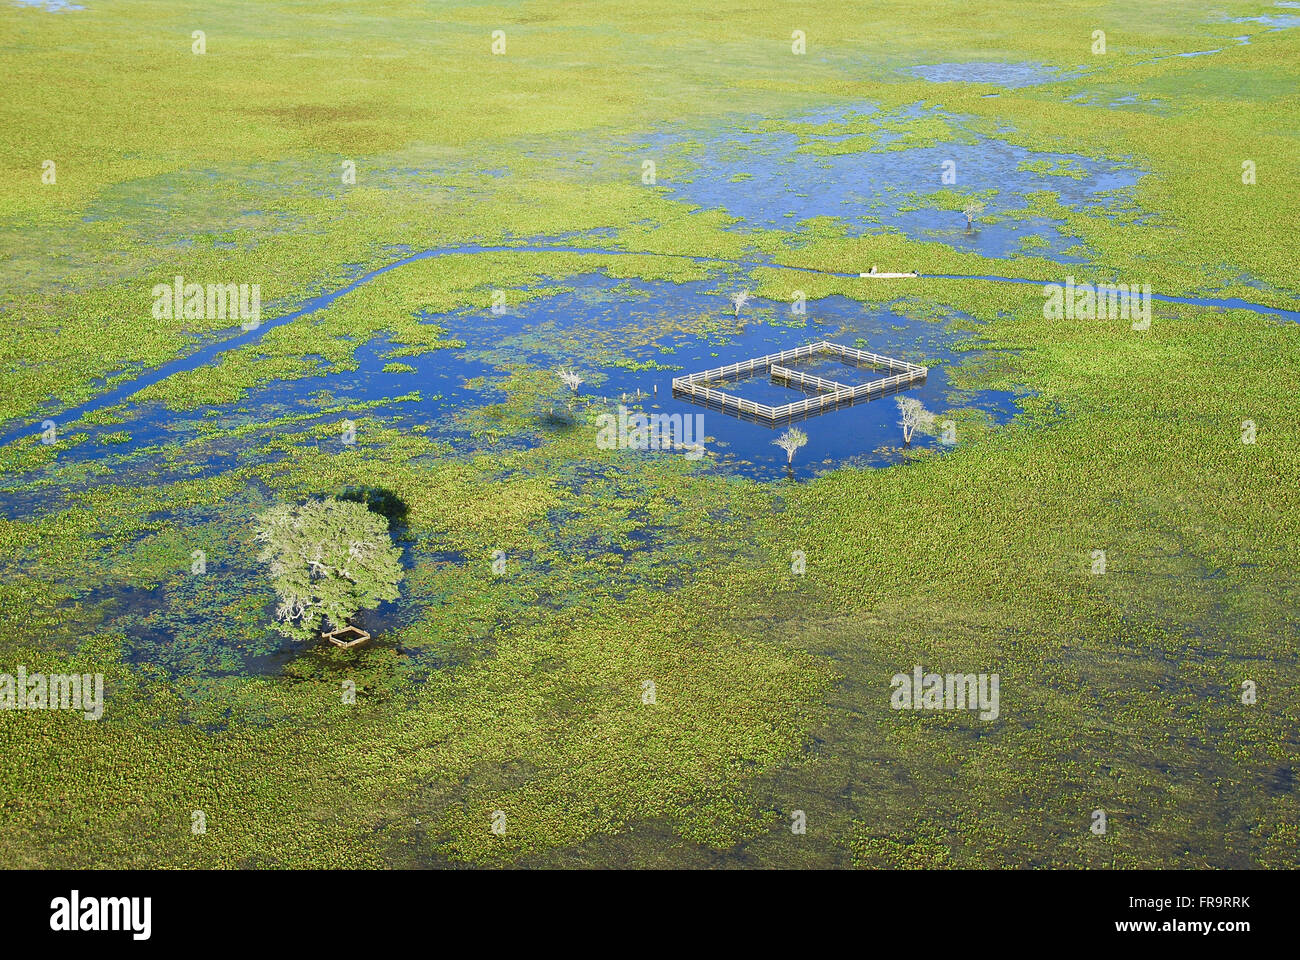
(463, 287)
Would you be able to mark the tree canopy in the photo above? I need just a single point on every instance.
(328, 560)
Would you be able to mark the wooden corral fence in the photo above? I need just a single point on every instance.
(798, 378)
(831, 393)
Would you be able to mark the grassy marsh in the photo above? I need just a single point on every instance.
(523, 693)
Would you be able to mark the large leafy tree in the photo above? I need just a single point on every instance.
(328, 559)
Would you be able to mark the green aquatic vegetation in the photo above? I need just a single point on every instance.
(832, 148)
(925, 130)
(862, 130)
(105, 416)
(627, 363)
(944, 199)
(523, 692)
(1054, 168)
(323, 408)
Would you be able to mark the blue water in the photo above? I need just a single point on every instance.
(1130, 100)
(778, 179)
(627, 338)
(1013, 76)
(605, 317)
(211, 351)
(52, 6)
(1273, 21)
(431, 394)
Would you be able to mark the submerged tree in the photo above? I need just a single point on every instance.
(790, 441)
(556, 408)
(328, 560)
(972, 210)
(570, 379)
(914, 415)
(739, 299)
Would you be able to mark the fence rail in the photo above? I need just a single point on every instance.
(852, 353)
(758, 363)
(833, 393)
(806, 379)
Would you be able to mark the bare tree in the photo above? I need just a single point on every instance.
(790, 441)
(972, 210)
(739, 299)
(914, 415)
(570, 378)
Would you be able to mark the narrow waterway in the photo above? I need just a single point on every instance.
(211, 351)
